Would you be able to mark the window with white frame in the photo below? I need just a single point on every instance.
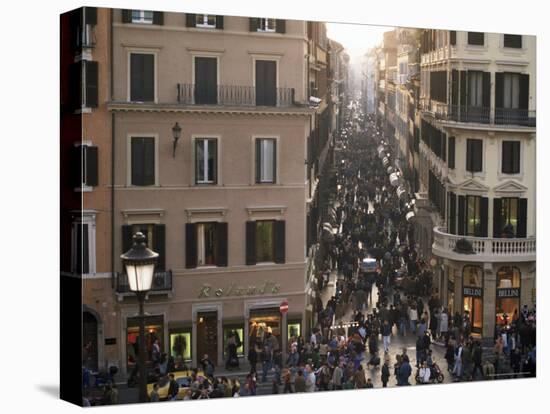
(83, 260)
(266, 164)
(205, 20)
(266, 25)
(206, 160)
(142, 16)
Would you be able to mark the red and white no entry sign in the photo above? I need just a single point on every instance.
(283, 307)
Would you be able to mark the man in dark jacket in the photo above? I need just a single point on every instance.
(405, 371)
(476, 358)
(173, 388)
(385, 374)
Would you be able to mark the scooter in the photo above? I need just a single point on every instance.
(436, 376)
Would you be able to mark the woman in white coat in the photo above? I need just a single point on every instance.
(443, 324)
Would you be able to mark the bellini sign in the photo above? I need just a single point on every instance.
(233, 289)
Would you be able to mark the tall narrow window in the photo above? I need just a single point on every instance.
(474, 155)
(206, 160)
(265, 241)
(475, 82)
(509, 217)
(142, 77)
(266, 165)
(143, 161)
(473, 215)
(206, 244)
(510, 157)
(511, 90)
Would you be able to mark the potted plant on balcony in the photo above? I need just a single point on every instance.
(463, 246)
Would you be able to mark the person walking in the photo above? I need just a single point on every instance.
(386, 335)
(404, 371)
(385, 374)
(300, 382)
(337, 376)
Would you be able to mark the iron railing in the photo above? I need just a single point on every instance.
(480, 114)
(162, 282)
(234, 95)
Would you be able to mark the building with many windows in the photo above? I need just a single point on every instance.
(477, 169)
(211, 129)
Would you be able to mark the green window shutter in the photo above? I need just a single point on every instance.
(253, 24)
(280, 26)
(461, 215)
(159, 245)
(126, 238)
(91, 71)
(250, 242)
(190, 20)
(158, 18)
(484, 208)
(219, 22)
(126, 16)
(522, 218)
(280, 241)
(222, 244)
(486, 90)
(190, 245)
(524, 92)
(91, 166)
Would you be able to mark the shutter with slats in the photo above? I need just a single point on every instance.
(452, 213)
(253, 24)
(190, 245)
(483, 218)
(82, 249)
(452, 34)
(258, 160)
(274, 160)
(76, 166)
(213, 148)
(190, 20)
(75, 85)
(497, 222)
(454, 88)
(142, 73)
(522, 218)
(126, 238)
(137, 154)
(91, 166)
(506, 157)
(523, 91)
(250, 242)
(280, 26)
(499, 90)
(486, 90)
(149, 161)
(219, 22)
(222, 244)
(159, 245)
(90, 15)
(126, 16)
(280, 238)
(158, 18)
(463, 88)
(91, 71)
(461, 222)
(451, 157)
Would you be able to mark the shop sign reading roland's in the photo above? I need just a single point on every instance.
(235, 290)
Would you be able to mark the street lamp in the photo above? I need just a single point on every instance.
(176, 132)
(140, 262)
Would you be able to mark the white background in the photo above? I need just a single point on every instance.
(29, 301)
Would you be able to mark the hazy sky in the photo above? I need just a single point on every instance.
(357, 39)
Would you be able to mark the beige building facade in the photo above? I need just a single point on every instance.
(225, 203)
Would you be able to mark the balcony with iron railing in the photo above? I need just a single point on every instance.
(483, 249)
(234, 95)
(479, 114)
(162, 283)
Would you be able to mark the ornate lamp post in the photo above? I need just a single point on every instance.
(140, 262)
